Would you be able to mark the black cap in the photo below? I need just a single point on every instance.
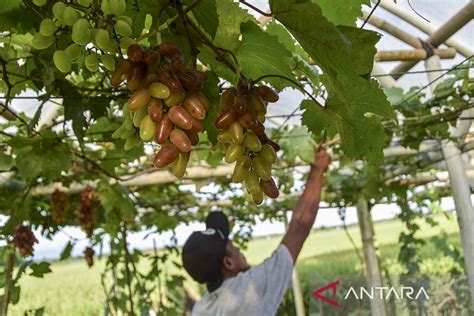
(204, 251)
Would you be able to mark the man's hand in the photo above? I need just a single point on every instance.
(321, 159)
(306, 209)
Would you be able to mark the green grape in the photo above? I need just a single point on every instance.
(129, 143)
(39, 3)
(147, 128)
(58, 10)
(69, 16)
(252, 182)
(268, 153)
(159, 90)
(119, 131)
(125, 42)
(122, 28)
(118, 6)
(91, 62)
(252, 142)
(128, 132)
(73, 50)
(62, 61)
(102, 39)
(234, 152)
(84, 3)
(108, 61)
(80, 32)
(112, 47)
(106, 7)
(258, 197)
(241, 169)
(41, 42)
(126, 19)
(47, 27)
(139, 115)
(129, 123)
(262, 167)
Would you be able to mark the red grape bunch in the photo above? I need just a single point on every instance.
(241, 120)
(59, 204)
(24, 240)
(85, 210)
(89, 256)
(166, 106)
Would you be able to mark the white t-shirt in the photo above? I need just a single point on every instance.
(257, 291)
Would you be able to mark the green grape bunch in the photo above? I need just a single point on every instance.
(90, 42)
(242, 114)
(166, 103)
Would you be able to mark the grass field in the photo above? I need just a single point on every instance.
(74, 289)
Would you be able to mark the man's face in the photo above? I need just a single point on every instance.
(233, 254)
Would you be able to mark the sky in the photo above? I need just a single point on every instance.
(436, 11)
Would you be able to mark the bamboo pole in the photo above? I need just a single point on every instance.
(413, 55)
(460, 187)
(372, 262)
(424, 26)
(465, 15)
(392, 30)
(6, 113)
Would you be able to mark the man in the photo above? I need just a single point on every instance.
(234, 287)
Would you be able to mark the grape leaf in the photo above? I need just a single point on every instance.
(231, 15)
(66, 253)
(76, 106)
(138, 10)
(342, 12)
(262, 54)
(44, 155)
(15, 17)
(212, 93)
(360, 135)
(40, 269)
(205, 14)
(6, 162)
(116, 202)
(351, 96)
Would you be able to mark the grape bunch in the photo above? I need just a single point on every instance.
(71, 30)
(167, 104)
(242, 114)
(89, 256)
(24, 240)
(59, 204)
(85, 210)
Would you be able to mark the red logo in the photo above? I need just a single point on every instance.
(333, 286)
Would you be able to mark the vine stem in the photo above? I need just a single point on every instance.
(158, 277)
(255, 8)
(295, 83)
(184, 20)
(8, 278)
(215, 49)
(127, 269)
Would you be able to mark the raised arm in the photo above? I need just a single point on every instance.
(306, 209)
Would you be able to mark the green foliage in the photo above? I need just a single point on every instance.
(40, 269)
(260, 54)
(45, 155)
(344, 55)
(311, 44)
(342, 12)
